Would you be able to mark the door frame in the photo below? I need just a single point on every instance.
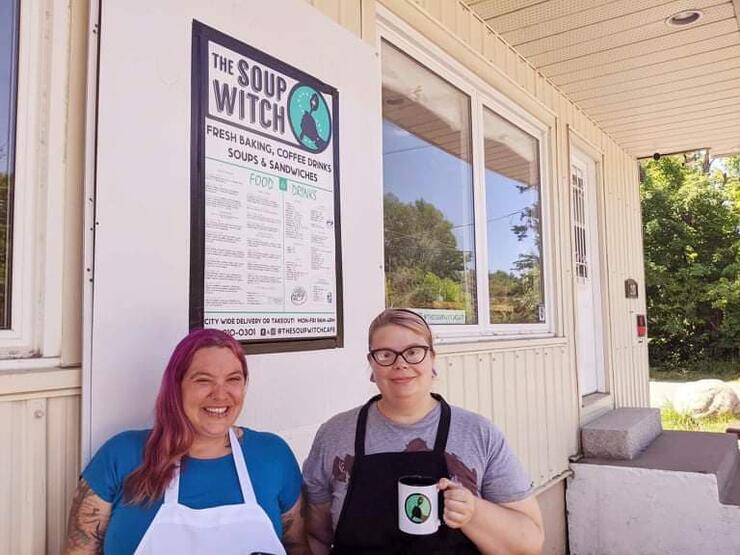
(577, 142)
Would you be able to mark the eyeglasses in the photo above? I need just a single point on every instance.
(412, 355)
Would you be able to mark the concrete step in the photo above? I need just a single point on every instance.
(619, 509)
(730, 493)
(727, 473)
(621, 434)
(681, 495)
(701, 452)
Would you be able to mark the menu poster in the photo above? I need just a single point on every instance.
(265, 251)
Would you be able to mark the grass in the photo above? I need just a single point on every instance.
(722, 370)
(673, 420)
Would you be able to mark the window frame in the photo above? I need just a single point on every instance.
(39, 190)
(472, 108)
(483, 96)
(515, 116)
(15, 339)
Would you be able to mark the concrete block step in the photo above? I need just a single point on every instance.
(701, 452)
(618, 509)
(729, 493)
(621, 434)
(729, 466)
(680, 496)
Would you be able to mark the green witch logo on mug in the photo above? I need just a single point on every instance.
(418, 508)
(418, 505)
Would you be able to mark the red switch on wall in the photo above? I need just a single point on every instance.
(641, 325)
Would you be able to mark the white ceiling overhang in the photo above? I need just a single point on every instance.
(651, 86)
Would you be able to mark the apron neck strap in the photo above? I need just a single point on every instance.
(241, 469)
(443, 428)
(361, 425)
(172, 493)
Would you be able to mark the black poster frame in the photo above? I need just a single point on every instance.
(201, 35)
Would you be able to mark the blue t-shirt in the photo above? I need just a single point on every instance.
(204, 483)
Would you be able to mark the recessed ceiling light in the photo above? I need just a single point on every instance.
(684, 18)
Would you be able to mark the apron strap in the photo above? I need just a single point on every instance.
(360, 430)
(443, 429)
(172, 493)
(241, 469)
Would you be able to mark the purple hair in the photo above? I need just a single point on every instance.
(173, 434)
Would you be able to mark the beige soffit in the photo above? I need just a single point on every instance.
(653, 87)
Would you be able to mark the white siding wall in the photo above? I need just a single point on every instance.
(39, 471)
(527, 391)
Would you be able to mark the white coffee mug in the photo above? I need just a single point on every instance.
(418, 505)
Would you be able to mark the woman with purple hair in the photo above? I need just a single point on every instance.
(194, 483)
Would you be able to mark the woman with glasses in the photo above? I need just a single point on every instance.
(351, 474)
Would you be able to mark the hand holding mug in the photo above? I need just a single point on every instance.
(460, 503)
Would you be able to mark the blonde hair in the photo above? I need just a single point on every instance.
(401, 317)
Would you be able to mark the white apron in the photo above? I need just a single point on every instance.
(242, 529)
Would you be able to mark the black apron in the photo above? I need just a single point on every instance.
(368, 522)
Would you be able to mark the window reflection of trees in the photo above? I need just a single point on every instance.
(4, 247)
(428, 186)
(516, 293)
(429, 228)
(8, 65)
(424, 266)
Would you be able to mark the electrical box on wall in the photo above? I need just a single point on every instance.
(641, 325)
(630, 288)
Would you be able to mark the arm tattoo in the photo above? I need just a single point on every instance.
(294, 531)
(88, 521)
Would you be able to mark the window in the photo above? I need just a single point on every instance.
(8, 72)
(461, 171)
(515, 288)
(428, 193)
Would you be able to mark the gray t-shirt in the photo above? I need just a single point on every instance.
(477, 454)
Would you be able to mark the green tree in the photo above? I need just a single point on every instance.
(418, 235)
(424, 266)
(691, 225)
(516, 296)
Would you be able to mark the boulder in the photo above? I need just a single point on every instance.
(706, 398)
(736, 386)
